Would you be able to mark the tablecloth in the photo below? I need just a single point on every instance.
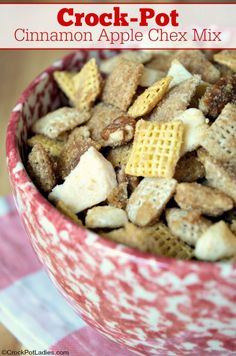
(31, 307)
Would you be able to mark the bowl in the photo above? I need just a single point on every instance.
(153, 305)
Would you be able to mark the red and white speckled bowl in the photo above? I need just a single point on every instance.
(154, 305)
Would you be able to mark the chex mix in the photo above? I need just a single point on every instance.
(144, 153)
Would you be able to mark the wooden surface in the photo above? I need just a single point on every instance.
(18, 68)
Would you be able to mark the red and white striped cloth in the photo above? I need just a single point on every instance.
(31, 307)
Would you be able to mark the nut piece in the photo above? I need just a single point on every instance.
(189, 168)
(149, 200)
(119, 132)
(207, 200)
(217, 96)
(216, 243)
(187, 225)
(132, 181)
(40, 167)
(118, 196)
(106, 217)
(102, 116)
(88, 184)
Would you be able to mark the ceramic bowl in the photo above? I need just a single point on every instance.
(153, 305)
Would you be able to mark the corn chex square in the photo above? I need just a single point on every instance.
(65, 83)
(156, 149)
(149, 98)
(88, 85)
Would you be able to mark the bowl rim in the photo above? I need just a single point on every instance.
(13, 150)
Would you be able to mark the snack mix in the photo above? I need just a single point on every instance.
(144, 153)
